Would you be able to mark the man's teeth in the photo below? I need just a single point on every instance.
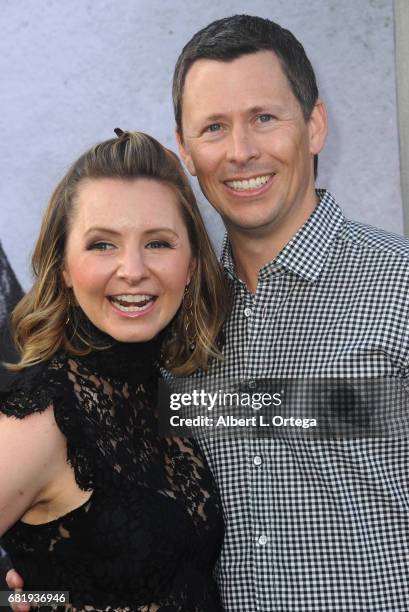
(133, 303)
(252, 183)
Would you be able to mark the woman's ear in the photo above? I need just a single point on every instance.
(67, 278)
(191, 269)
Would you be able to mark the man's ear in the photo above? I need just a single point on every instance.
(184, 153)
(318, 127)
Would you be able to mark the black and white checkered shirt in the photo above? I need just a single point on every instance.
(317, 525)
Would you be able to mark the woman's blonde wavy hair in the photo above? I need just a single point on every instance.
(45, 320)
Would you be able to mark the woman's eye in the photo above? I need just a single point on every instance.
(100, 246)
(158, 244)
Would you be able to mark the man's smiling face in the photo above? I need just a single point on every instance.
(246, 139)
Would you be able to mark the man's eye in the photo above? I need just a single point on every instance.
(100, 246)
(265, 118)
(213, 127)
(158, 244)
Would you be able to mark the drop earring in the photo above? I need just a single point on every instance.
(187, 304)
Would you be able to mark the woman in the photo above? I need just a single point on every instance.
(93, 500)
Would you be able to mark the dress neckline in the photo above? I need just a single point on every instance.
(124, 361)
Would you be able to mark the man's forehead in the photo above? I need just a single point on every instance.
(210, 64)
(251, 80)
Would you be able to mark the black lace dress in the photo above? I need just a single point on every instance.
(149, 536)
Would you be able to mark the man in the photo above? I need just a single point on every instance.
(312, 525)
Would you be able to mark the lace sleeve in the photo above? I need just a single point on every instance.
(27, 392)
(34, 390)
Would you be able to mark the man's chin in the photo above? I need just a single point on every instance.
(249, 225)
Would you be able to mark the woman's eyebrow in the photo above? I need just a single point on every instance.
(161, 229)
(106, 230)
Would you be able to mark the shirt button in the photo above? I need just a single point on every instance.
(257, 460)
(252, 384)
(262, 540)
(248, 312)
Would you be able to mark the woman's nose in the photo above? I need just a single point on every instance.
(132, 266)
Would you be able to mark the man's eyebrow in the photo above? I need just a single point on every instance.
(270, 108)
(212, 118)
(265, 108)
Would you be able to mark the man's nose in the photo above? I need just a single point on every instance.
(242, 146)
(132, 265)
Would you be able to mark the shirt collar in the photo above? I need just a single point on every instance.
(307, 251)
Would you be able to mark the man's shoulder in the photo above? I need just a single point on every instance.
(374, 242)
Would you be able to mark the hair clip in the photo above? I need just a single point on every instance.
(119, 132)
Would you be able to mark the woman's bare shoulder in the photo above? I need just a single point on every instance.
(32, 452)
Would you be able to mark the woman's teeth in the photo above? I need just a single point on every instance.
(252, 183)
(132, 303)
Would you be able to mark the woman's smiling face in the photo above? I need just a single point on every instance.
(128, 258)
